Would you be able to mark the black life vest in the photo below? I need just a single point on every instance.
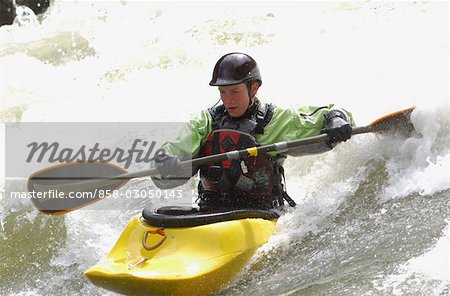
(252, 176)
(257, 177)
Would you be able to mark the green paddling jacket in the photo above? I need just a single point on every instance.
(285, 124)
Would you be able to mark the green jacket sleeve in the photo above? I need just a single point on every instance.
(188, 143)
(186, 146)
(290, 124)
(287, 124)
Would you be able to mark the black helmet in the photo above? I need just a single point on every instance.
(234, 68)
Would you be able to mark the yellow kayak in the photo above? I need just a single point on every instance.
(187, 254)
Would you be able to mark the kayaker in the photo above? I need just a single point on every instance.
(242, 121)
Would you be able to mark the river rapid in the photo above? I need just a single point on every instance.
(373, 214)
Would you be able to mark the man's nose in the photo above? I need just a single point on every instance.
(226, 97)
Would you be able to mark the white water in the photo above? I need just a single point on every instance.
(149, 61)
(431, 268)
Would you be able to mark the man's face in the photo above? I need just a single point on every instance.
(235, 99)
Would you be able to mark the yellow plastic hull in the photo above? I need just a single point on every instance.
(189, 261)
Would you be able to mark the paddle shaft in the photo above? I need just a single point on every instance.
(244, 153)
(391, 123)
(399, 120)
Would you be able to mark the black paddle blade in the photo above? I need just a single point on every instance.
(64, 188)
(398, 122)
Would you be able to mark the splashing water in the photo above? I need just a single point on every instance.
(372, 215)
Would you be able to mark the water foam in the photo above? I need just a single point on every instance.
(137, 62)
(421, 164)
(430, 272)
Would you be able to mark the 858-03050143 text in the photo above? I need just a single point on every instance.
(99, 193)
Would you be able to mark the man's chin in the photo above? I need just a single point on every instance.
(234, 114)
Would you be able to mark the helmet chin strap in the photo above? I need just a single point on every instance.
(251, 98)
(251, 101)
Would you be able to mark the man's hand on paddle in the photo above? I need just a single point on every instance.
(337, 128)
(168, 166)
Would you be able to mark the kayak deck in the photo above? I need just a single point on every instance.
(179, 261)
